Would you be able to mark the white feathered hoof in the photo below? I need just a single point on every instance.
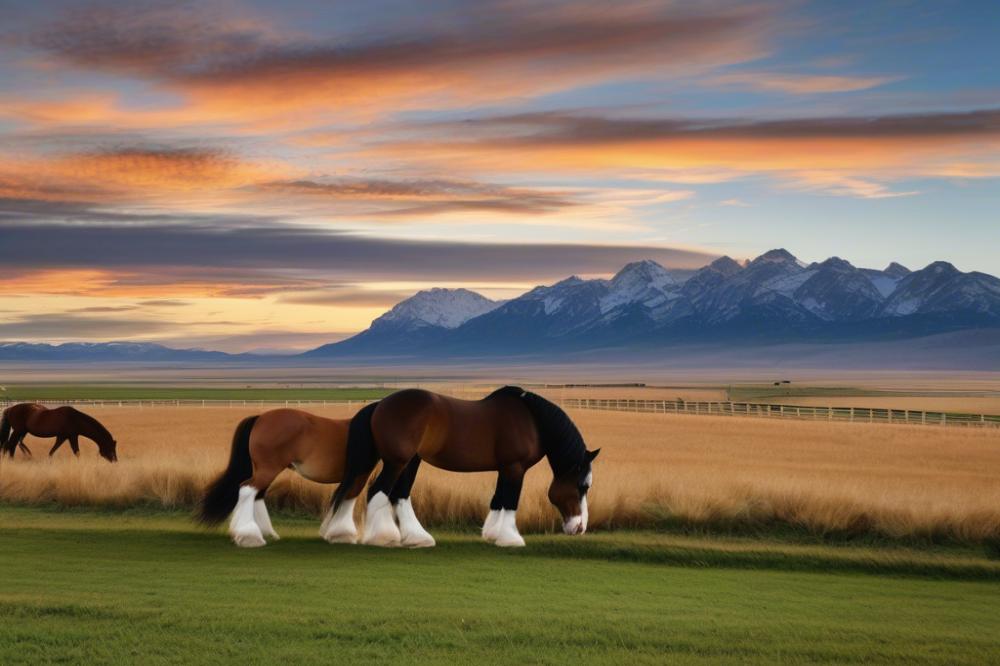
(263, 520)
(491, 526)
(339, 527)
(380, 525)
(412, 533)
(248, 536)
(507, 534)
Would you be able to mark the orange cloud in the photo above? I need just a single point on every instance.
(248, 73)
(846, 153)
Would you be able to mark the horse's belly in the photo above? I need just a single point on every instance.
(320, 469)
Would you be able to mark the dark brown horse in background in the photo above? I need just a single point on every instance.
(63, 423)
(507, 432)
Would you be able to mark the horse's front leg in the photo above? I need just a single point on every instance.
(509, 491)
(380, 520)
(412, 533)
(59, 442)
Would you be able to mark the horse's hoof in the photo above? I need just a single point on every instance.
(249, 539)
(342, 537)
(510, 541)
(424, 540)
(383, 541)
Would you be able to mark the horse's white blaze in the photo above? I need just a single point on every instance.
(242, 528)
(507, 534)
(380, 527)
(412, 533)
(589, 481)
(491, 526)
(263, 520)
(584, 514)
(338, 526)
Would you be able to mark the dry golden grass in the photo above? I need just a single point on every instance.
(655, 470)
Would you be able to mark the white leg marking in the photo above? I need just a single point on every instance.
(508, 536)
(412, 533)
(242, 528)
(491, 526)
(339, 527)
(263, 520)
(380, 526)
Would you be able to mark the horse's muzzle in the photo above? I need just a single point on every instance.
(574, 525)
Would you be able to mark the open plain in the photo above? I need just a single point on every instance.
(831, 480)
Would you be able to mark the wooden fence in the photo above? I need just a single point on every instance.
(801, 412)
(700, 408)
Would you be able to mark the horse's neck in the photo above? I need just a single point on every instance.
(88, 427)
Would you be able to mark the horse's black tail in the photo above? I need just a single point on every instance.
(5, 435)
(222, 494)
(362, 456)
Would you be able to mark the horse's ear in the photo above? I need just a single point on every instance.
(592, 454)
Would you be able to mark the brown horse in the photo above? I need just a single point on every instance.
(507, 432)
(265, 445)
(63, 423)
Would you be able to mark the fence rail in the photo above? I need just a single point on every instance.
(690, 407)
(799, 412)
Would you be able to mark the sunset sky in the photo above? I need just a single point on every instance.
(241, 176)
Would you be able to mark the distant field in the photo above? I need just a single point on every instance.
(84, 587)
(659, 471)
(974, 405)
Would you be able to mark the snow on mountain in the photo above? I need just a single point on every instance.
(774, 296)
(446, 308)
(837, 291)
(940, 289)
(641, 282)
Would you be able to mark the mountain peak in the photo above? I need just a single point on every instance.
(726, 265)
(896, 270)
(447, 308)
(647, 269)
(942, 268)
(837, 263)
(780, 255)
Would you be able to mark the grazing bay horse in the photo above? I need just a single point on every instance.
(63, 423)
(506, 432)
(265, 445)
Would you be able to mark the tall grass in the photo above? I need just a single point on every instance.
(655, 471)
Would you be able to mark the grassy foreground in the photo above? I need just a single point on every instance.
(91, 587)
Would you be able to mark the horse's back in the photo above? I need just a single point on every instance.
(451, 433)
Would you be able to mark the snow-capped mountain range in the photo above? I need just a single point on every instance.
(773, 297)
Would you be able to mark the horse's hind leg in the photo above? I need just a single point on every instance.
(250, 522)
(74, 443)
(412, 533)
(24, 447)
(380, 522)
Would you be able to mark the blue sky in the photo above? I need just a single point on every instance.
(589, 132)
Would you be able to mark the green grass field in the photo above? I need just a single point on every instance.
(90, 587)
(27, 392)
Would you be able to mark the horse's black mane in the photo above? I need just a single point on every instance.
(562, 442)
